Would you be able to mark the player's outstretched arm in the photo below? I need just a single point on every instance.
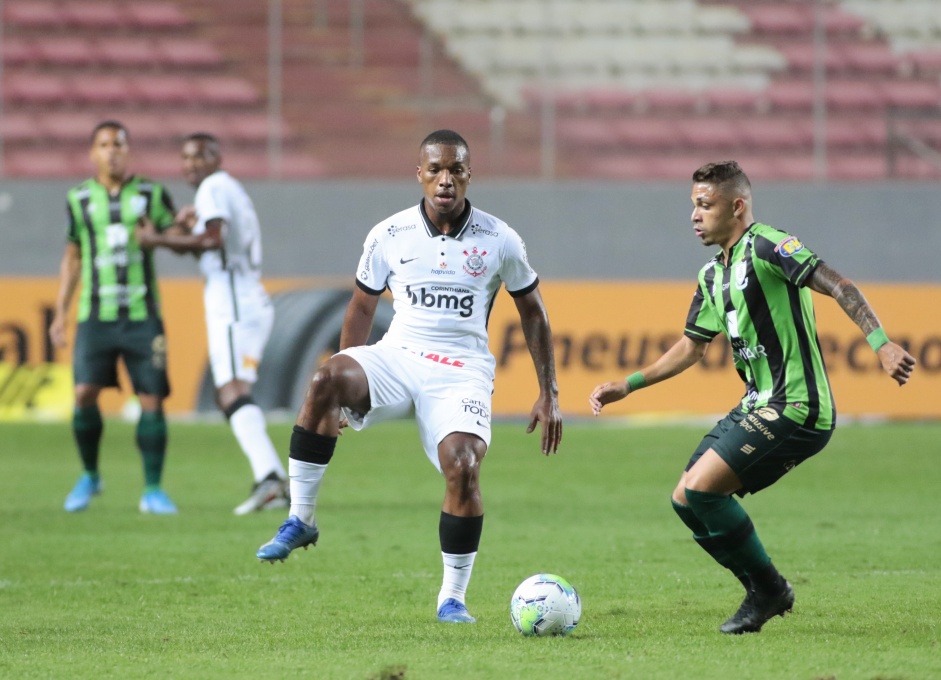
(674, 361)
(70, 269)
(177, 239)
(535, 322)
(896, 362)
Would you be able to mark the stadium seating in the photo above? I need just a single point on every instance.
(71, 63)
(642, 89)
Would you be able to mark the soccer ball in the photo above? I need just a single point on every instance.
(545, 604)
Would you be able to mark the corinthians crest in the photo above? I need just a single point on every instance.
(474, 265)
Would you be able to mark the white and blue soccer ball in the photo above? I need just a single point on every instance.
(545, 604)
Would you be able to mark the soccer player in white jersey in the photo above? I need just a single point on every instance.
(444, 262)
(225, 233)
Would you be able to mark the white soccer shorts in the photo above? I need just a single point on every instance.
(235, 349)
(444, 394)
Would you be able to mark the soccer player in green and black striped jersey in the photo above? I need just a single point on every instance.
(756, 291)
(118, 310)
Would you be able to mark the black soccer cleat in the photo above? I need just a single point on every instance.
(759, 608)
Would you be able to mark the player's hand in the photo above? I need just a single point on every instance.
(898, 363)
(186, 218)
(146, 233)
(546, 411)
(344, 423)
(57, 330)
(607, 393)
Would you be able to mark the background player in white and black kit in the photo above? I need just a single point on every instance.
(444, 262)
(225, 233)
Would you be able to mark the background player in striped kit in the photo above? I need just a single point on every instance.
(118, 310)
(755, 291)
(222, 228)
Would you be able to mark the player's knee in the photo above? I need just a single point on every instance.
(679, 494)
(86, 395)
(325, 384)
(460, 462)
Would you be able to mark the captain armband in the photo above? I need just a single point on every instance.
(877, 339)
(636, 381)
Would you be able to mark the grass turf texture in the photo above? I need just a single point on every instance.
(110, 593)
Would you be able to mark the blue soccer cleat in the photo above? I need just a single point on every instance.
(156, 502)
(452, 611)
(81, 494)
(291, 535)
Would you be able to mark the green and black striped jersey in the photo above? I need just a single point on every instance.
(118, 278)
(758, 300)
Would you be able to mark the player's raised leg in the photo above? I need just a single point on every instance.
(340, 382)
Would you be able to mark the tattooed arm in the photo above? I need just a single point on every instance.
(898, 363)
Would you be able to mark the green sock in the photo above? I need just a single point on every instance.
(152, 441)
(708, 543)
(731, 529)
(87, 427)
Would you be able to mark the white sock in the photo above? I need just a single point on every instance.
(305, 485)
(457, 573)
(248, 425)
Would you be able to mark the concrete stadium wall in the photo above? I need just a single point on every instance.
(868, 231)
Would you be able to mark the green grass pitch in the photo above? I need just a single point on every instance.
(109, 593)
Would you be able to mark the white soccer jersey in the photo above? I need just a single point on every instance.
(233, 273)
(443, 286)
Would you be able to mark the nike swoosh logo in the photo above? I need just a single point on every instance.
(482, 424)
(402, 260)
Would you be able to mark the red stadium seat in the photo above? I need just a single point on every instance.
(774, 133)
(128, 52)
(856, 166)
(926, 62)
(590, 132)
(62, 51)
(68, 127)
(777, 18)
(19, 127)
(710, 133)
(45, 163)
(847, 132)
(646, 133)
(912, 93)
(155, 15)
(32, 88)
(227, 91)
(854, 95)
(168, 90)
(733, 100)
(869, 58)
(96, 14)
(38, 14)
(791, 94)
(178, 52)
(104, 90)
(18, 52)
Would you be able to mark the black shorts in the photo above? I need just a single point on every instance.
(761, 446)
(141, 344)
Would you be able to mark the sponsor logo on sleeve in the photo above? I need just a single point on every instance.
(789, 246)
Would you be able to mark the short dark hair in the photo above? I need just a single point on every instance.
(109, 125)
(201, 137)
(446, 137)
(723, 173)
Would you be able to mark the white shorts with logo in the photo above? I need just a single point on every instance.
(236, 347)
(445, 395)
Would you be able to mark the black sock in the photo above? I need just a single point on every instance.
(87, 427)
(459, 535)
